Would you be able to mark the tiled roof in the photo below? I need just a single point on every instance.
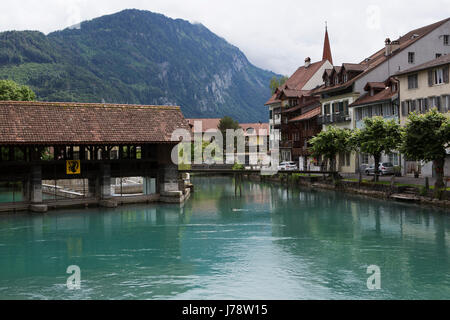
(272, 100)
(260, 128)
(207, 124)
(443, 60)
(354, 66)
(379, 57)
(301, 77)
(308, 115)
(375, 85)
(84, 123)
(383, 95)
(297, 81)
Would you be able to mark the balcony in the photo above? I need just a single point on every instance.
(333, 118)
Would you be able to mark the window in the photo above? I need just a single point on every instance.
(365, 112)
(327, 109)
(347, 159)
(446, 39)
(445, 103)
(411, 57)
(344, 78)
(377, 110)
(413, 82)
(358, 114)
(365, 158)
(394, 159)
(438, 55)
(346, 107)
(438, 76)
(336, 107)
(387, 110)
(336, 80)
(424, 105)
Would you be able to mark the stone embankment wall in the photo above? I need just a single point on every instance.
(383, 191)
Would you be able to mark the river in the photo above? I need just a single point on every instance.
(268, 244)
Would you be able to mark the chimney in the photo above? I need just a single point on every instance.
(307, 62)
(387, 42)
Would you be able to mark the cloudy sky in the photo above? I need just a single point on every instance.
(274, 34)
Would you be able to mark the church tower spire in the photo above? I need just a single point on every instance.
(326, 47)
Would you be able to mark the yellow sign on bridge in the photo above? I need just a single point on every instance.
(73, 167)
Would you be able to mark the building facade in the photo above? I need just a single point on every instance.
(422, 88)
(381, 99)
(344, 85)
(293, 99)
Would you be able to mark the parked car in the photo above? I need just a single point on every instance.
(288, 165)
(385, 168)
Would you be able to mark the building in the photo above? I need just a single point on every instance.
(254, 133)
(345, 84)
(295, 99)
(91, 142)
(422, 88)
(381, 99)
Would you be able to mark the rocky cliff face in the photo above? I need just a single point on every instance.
(139, 57)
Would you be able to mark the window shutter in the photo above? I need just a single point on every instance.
(430, 78)
(446, 74)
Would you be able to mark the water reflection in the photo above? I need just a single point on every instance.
(268, 244)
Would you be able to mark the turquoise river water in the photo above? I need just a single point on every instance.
(269, 244)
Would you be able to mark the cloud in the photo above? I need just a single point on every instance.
(274, 35)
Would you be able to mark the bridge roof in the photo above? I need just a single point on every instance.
(87, 123)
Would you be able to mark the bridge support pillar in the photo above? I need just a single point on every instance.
(35, 190)
(169, 184)
(149, 185)
(93, 187)
(168, 178)
(36, 184)
(105, 182)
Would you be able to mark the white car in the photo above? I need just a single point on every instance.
(288, 166)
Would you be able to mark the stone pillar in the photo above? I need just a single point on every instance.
(105, 182)
(149, 185)
(168, 178)
(26, 190)
(36, 184)
(93, 187)
(35, 190)
(169, 184)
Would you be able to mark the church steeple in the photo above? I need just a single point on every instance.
(326, 47)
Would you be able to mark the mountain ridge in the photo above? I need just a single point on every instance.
(139, 57)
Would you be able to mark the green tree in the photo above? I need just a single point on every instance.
(11, 91)
(227, 123)
(329, 143)
(378, 136)
(275, 83)
(426, 137)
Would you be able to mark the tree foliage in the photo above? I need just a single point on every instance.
(11, 91)
(426, 137)
(378, 136)
(227, 123)
(330, 142)
(277, 82)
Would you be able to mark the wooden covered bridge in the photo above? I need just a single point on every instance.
(93, 142)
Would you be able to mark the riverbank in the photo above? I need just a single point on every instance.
(391, 191)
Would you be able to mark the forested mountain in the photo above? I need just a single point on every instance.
(138, 57)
